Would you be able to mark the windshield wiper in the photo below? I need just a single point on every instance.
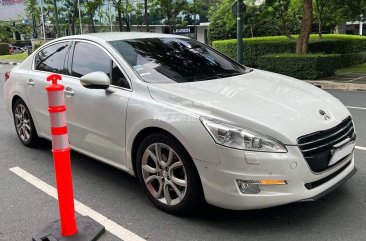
(227, 75)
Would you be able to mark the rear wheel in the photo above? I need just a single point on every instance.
(167, 174)
(24, 125)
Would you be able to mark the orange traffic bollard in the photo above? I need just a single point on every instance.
(61, 155)
(89, 229)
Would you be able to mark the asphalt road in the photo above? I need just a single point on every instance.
(25, 210)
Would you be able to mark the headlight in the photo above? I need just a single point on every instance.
(240, 138)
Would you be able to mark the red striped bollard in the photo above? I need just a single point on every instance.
(88, 228)
(61, 155)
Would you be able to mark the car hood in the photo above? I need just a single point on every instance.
(279, 106)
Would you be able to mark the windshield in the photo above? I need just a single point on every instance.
(164, 60)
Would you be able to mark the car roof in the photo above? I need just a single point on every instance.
(110, 36)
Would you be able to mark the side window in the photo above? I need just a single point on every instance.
(52, 58)
(89, 58)
(118, 77)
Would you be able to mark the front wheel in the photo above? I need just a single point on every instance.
(167, 174)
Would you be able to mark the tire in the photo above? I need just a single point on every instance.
(175, 173)
(24, 124)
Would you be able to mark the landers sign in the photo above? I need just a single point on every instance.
(11, 2)
(186, 30)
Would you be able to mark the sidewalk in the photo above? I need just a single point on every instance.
(11, 62)
(343, 81)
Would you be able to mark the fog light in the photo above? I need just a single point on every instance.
(273, 182)
(252, 186)
(247, 187)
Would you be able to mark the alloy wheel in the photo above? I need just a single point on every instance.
(164, 174)
(22, 122)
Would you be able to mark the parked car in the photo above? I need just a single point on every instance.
(189, 122)
(15, 50)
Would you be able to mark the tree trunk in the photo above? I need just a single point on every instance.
(91, 16)
(303, 41)
(146, 17)
(92, 21)
(73, 21)
(120, 24)
(320, 29)
(128, 27)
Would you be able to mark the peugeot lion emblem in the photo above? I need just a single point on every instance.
(324, 114)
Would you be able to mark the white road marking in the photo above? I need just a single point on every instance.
(110, 225)
(361, 148)
(354, 107)
(356, 79)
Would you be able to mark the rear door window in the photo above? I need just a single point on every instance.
(52, 58)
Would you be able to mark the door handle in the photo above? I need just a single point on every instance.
(69, 92)
(30, 82)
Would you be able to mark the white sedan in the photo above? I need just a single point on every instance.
(189, 122)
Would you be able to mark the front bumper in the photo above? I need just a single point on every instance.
(322, 194)
(221, 189)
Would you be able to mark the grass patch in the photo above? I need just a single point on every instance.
(18, 57)
(361, 68)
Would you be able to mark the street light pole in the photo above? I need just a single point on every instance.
(58, 33)
(361, 25)
(239, 30)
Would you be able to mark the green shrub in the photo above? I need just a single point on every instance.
(257, 47)
(21, 43)
(352, 59)
(36, 46)
(4, 49)
(311, 66)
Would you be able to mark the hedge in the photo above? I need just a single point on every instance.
(311, 66)
(256, 47)
(21, 43)
(4, 49)
(352, 59)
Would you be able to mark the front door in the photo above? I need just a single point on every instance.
(96, 117)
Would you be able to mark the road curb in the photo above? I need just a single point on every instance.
(331, 85)
(10, 62)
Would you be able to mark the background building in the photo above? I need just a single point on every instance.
(11, 10)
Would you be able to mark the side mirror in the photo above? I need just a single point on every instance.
(95, 80)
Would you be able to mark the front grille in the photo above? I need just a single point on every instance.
(316, 147)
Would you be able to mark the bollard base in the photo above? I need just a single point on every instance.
(88, 230)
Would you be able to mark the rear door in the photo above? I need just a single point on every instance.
(51, 59)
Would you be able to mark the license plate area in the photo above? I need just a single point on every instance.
(341, 150)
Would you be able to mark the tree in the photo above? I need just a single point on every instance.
(146, 16)
(170, 9)
(280, 9)
(123, 8)
(71, 13)
(32, 12)
(330, 13)
(303, 40)
(91, 7)
(223, 22)
(5, 31)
